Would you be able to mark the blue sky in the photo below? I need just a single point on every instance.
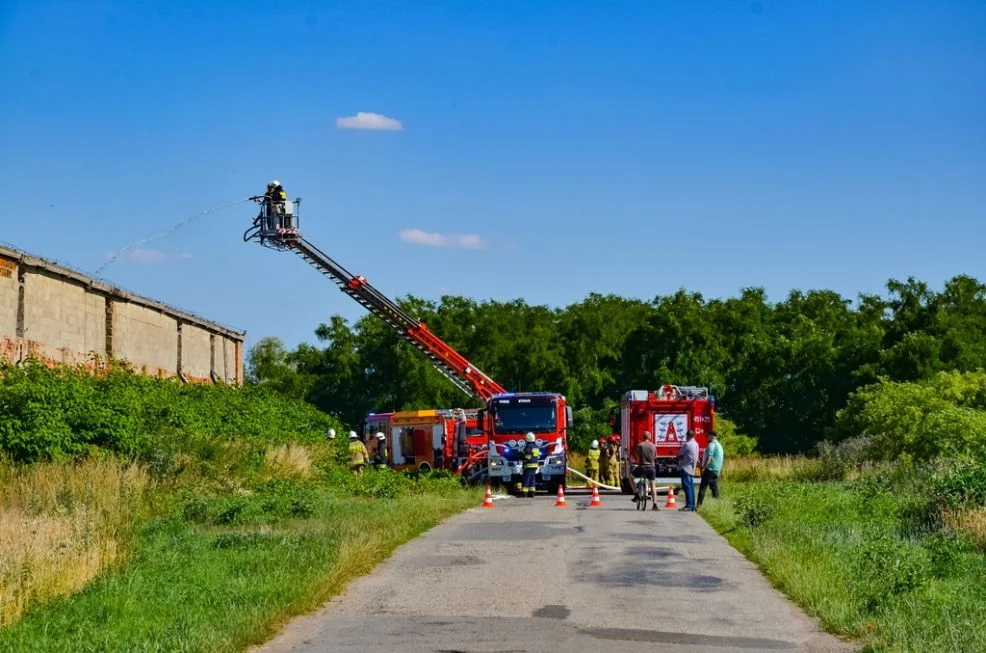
(558, 148)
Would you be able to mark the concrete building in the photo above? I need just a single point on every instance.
(52, 312)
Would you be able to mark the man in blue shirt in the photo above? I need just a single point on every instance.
(687, 460)
(711, 467)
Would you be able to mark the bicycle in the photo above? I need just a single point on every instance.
(642, 492)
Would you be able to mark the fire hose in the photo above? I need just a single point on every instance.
(581, 475)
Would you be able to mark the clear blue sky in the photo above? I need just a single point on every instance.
(626, 147)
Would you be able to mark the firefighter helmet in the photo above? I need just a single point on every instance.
(595, 444)
(381, 436)
(332, 434)
(352, 435)
(530, 436)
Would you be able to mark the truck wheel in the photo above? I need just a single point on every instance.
(424, 468)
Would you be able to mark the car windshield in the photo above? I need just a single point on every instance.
(521, 419)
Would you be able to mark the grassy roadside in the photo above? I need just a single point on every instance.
(193, 588)
(871, 558)
(217, 547)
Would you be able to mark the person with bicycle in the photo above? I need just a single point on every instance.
(647, 462)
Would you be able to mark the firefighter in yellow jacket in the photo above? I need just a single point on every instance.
(358, 455)
(614, 460)
(604, 454)
(592, 461)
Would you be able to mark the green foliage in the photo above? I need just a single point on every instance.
(733, 443)
(944, 415)
(885, 566)
(64, 412)
(781, 371)
(864, 557)
(959, 483)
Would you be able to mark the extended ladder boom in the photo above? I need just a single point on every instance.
(270, 231)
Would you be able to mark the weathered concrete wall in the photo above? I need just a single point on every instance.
(196, 353)
(60, 315)
(66, 321)
(146, 338)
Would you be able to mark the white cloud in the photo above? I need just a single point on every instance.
(461, 241)
(150, 256)
(366, 120)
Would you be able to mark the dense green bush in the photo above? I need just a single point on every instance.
(733, 442)
(64, 412)
(919, 421)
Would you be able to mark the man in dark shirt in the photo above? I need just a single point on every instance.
(646, 459)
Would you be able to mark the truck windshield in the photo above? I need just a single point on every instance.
(521, 419)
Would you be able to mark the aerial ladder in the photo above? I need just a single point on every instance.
(276, 227)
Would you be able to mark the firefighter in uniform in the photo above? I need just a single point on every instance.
(604, 454)
(531, 456)
(358, 455)
(380, 455)
(614, 460)
(592, 461)
(276, 199)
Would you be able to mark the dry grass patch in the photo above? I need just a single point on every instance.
(971, 521)
(60, 526)
(291, 460)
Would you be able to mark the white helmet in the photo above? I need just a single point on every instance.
(352, 435)
(274, 182)
(530, 436)
(332, 434)
(595, 444)
(381, 436)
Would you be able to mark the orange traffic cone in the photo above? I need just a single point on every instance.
(670, 502)
(560, 503)
(488, 501)
(595, 497)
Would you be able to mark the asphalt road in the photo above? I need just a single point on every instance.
(526, 576)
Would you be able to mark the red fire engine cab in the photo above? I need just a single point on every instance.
(668, 414)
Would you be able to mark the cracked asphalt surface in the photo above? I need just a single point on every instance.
(526, 576)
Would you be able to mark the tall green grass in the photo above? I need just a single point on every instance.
(197, 587)
(239, 538)
(871, 558)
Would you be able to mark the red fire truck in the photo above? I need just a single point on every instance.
(504, 419)
(422, 440)
(668, 413)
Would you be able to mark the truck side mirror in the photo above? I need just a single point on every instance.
(481, 420)
(569, 419)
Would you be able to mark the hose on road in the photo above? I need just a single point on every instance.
(581, 475)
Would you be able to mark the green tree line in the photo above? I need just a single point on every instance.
(781, 371)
